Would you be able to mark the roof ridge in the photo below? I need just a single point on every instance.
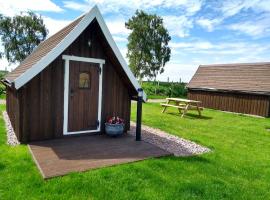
(42, 58)
(251, 77)
(234, 64)
(81, 16)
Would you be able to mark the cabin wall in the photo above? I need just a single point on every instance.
(13, 109)
(42, 104)
(42, 98)
(233, 102)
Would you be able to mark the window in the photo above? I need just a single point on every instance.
(84, 81)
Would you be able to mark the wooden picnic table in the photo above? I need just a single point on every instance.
(182, 105)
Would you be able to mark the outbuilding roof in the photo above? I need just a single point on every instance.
(240, 77)
(51, 48)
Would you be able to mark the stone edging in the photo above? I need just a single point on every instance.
(11, 137)
(173, 144)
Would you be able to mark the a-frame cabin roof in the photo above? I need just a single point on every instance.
(51, 48)
(41, 52)
(239, 77)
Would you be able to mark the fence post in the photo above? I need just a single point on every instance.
(139, 114)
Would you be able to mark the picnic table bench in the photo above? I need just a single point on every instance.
(182, 105)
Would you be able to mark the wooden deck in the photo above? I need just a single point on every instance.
(73, 154)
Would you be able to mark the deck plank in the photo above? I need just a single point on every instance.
(75, 154)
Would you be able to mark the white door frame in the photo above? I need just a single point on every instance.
(67, 58)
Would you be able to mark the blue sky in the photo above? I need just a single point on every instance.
(203, 31)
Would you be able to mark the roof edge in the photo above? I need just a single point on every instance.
(234, 64)
(94, 13)
(117, 53)
(228, 91)
(56, 51)
(6, 82)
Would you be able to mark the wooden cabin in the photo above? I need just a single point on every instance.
(240, 88)
(71, 83)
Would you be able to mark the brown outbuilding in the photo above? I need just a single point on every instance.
(71, 83)
(241, 88)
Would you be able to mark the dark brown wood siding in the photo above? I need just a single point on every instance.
(13, 109)
(42, 98)
(233, 102)
(42, 104)
(83, 102)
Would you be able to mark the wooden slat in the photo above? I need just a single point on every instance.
(41, 114)
(241, 103)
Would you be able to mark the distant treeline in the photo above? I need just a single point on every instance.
(156, 89)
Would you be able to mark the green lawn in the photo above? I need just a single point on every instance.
(237, 168)
(156, 97)
(162, 97)
(3, 96)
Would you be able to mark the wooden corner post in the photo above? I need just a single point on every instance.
(139, 114)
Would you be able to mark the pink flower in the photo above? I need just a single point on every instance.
(115, 120)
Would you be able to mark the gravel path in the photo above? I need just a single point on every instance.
(2, 101)
(11, 137)
(173, 144)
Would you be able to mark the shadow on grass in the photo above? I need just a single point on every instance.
(190, 116)
(267, 128)
(2, 167)
(195, 159)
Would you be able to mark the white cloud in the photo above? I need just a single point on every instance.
(196, 52)
(256, 28)
(176, 71)
(233, 7)
(115, 6)
(178, 25)
(180, 16)
(190, 6)
(199, 45)
(248, 28)
(208, 24)
(221, 48)
(117, 27)
(73, 5)
(123, 51)
(189, 55)
(54, 25)
(12, 7)
(230, 8)
(119, 39)
(4, 65)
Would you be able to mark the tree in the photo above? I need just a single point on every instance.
(20, 35)
(148, 49)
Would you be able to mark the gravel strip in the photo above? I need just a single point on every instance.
(2, 101)
(11, 137)
(173, 144)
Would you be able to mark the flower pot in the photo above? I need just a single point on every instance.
(114, 129)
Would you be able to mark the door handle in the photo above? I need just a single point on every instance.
(71, 93)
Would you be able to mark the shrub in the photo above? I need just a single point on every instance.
(165, 89)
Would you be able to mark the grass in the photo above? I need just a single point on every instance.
(237, 168)
(162, 97)
(3, 96)
(156, 97)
